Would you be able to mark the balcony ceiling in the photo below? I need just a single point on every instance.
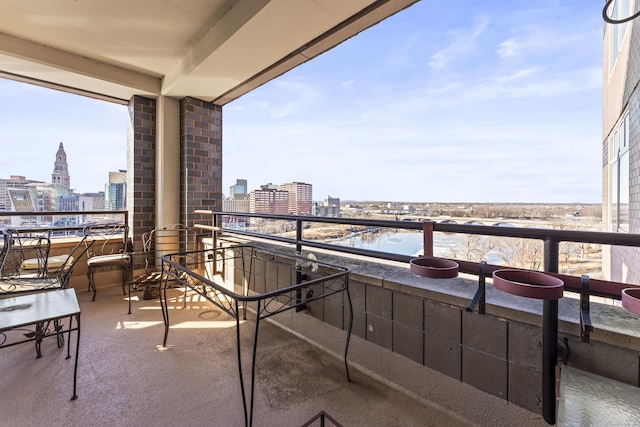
(214, 50)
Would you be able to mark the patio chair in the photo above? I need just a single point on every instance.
(111, 247)
(24, 254)
(156, 243)
(41, 273)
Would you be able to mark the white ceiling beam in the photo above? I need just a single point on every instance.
(222, 27)
(367, 17)
(63, 60)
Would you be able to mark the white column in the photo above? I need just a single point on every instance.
(167, 161)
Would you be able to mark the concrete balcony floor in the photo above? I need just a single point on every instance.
(126, 377)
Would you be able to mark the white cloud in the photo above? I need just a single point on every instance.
(462, 42)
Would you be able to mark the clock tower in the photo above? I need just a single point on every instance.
(60, 173)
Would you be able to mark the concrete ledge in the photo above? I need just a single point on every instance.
(469, 404)
(415, 334)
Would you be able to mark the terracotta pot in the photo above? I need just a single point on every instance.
(437, 268)
(529, 284)
(631, 299)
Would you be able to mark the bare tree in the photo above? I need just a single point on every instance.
(474, 248)
(521, 253)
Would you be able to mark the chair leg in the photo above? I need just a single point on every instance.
(124, 279)
(92, 283)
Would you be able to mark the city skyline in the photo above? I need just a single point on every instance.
(468, 101)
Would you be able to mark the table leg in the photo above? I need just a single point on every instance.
(75, 367)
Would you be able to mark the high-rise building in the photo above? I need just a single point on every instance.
(115, 194)
(269, 200)
(300, 197)
(60, 173)
(239, 190)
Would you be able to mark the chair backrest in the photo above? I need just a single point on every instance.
(169, 239)
(20, 247)
(4, 248)
(106, 239)
(65, 270)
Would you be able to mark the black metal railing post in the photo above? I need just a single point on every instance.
(550, 336)
(299, 276)
(549, 359)
(298, 235)
(551, 255)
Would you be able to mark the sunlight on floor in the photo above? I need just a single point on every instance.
(217, 324)
(137, 325)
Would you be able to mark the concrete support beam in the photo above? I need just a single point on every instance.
(221, 29)
(66, 61)
(167, 162)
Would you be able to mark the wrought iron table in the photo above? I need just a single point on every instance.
(216, 273)
(38, 310)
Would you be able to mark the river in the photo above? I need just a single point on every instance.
(411, 243)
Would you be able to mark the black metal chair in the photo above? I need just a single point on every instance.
(111, 247)
(22, 273)
(156, 243)
(24, 254)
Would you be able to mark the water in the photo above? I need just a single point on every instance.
(411, 243)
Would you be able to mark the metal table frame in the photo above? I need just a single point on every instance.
(314, 280)
(39, 310)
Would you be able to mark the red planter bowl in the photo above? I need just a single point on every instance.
(631, 299)
(437, 268)
(529, 284)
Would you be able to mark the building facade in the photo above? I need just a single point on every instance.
(330, 207)
(115, 194)
(621, 140)
(269, 200)
(14, 181)
(238, 191)
(300, 197)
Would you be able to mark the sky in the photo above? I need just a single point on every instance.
(457, 101)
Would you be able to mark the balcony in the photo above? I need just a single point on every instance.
(419, 351)
(127, 378)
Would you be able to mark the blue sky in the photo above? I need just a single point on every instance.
(462, 101)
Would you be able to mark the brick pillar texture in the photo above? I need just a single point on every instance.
(200, 159)
(142, 116)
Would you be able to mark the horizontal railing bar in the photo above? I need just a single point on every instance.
(549, 236)
(58, 213)
(576, 236)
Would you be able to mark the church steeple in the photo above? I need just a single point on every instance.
(60, 173)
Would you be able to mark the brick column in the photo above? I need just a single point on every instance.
(200, 159)
(141, 165)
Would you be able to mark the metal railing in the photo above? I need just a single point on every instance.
(551, 239)
(61, 222)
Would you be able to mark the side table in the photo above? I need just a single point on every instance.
(30, 312)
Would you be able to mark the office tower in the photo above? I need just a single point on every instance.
(115, 195)
(300, 197)
(269, 200)
(239, 190)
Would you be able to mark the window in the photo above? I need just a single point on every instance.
(619, 10)
(619, 175)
